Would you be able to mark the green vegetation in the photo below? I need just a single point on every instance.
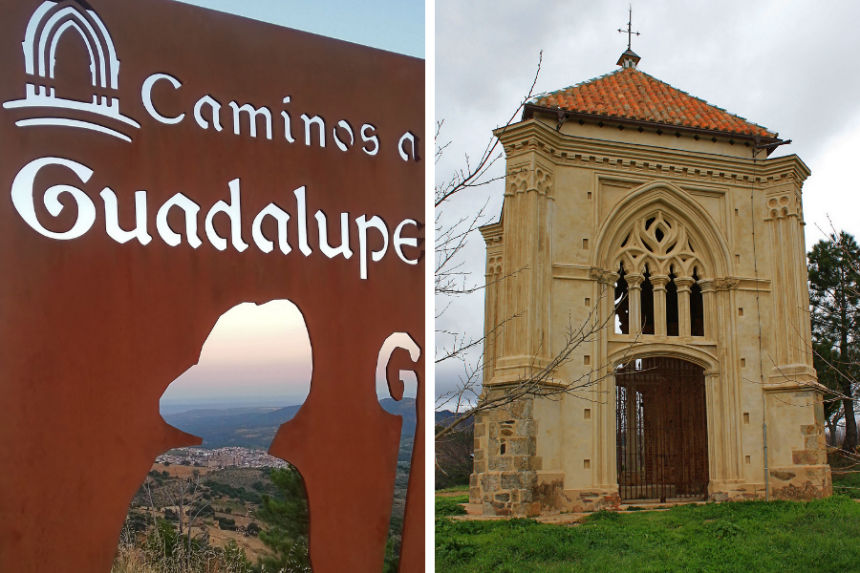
(229, 520)
(464, 489)
(227, 490)
(847, 482)
(286, 523)
(222, 502)
(834, 295)
(450, 505)
(762, 536)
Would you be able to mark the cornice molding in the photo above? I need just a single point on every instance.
(563, 149)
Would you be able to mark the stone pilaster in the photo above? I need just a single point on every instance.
(528, 216)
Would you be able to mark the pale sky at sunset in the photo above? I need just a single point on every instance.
(254, 355)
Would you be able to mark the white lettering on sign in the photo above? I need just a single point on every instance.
(112, 227)
(371, 230)
(146, 98)
(249, 119)
(42, 106)
(24, 202)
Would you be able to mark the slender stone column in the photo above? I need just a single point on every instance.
(709, 309)
(634, 298)
(659, 283)
(606, 284)
(684, 323)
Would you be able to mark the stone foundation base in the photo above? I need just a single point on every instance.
(505, 493)
(735, 491)
(801, 482)
(534, 493)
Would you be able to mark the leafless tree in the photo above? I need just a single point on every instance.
(469, 399)
(452, 280)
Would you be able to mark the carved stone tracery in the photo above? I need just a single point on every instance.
(661, 265)
(661, 243)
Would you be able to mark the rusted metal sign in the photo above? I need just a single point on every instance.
(159, 165)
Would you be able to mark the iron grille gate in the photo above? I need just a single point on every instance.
(661, 430)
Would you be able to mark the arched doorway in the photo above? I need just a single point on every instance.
(661, 430)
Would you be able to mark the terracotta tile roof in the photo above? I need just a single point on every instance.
(634, 95)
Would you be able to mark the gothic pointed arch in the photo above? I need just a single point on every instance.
(660, 227)
(50, 21)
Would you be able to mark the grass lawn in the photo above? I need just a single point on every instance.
(780, 536)
(451, 505)
(464, 489)
(847, 482)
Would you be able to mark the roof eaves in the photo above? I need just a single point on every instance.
(530, 109)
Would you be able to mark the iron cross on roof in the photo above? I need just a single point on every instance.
(629, 31)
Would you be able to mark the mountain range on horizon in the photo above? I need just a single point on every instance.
(255, 426)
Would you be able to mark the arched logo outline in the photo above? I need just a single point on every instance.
(47, 25)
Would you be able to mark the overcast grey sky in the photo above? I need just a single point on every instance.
(789, 66)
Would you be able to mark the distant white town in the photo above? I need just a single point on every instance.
(221, 458)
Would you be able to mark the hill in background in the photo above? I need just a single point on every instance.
(255, 427)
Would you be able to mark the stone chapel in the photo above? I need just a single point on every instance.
(647, 277)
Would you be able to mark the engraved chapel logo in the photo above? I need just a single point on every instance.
(45, 107)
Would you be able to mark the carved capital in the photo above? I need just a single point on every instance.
(684, 283)
(659, 282)
(603, 276)
(634, 280)
(782, 205)
(523, 179)
(707, 285)
(517, 180)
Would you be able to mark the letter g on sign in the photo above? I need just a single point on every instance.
(23, 200)
(395, 341)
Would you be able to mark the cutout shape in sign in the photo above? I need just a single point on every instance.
(49, 23)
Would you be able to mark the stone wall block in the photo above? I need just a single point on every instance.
(510, 480)
(490, 482)
(804, 457)
(783, 475)
(498, 464)
(522, 463)
(526, 428)
(519, 446)
(809, 430)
